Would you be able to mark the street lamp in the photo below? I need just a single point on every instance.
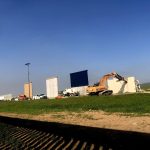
(27, 64)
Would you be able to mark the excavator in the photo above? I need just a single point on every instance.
(100, 88)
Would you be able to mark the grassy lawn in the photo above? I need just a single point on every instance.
(145, 86)
(133, 103)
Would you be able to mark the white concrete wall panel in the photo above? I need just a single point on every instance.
(52, 87)
(119, 87)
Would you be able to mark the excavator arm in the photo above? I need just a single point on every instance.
(103, 80)
(119, 77)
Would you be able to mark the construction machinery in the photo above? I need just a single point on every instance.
(101, 87)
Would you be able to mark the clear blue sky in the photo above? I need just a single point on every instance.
(59, 37)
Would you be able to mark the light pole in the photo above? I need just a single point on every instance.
(27, 64)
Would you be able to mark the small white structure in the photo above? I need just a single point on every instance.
(36, 97)
(81, 90)
(119, 87)
(41, 96)
(52, 87)
(6, 97)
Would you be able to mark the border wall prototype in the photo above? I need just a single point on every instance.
(120, 87)
(52, 87)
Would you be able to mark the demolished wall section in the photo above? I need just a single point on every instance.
(119, 87)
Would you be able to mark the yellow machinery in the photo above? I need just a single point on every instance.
(101, 87)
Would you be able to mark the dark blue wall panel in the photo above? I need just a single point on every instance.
(79, 78)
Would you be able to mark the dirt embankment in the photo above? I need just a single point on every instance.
(94, 119)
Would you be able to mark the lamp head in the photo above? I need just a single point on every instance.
(27, 64)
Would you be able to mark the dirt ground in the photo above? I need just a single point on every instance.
(94, 119)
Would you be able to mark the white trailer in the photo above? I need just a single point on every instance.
(75, 91)
(81, 90)
(52, 87)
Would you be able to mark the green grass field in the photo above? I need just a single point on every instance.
(131, 103)
(145, 86)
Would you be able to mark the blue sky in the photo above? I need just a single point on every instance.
(59, 37)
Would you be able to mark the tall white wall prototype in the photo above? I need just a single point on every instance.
(121, 87)
(52, 87)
